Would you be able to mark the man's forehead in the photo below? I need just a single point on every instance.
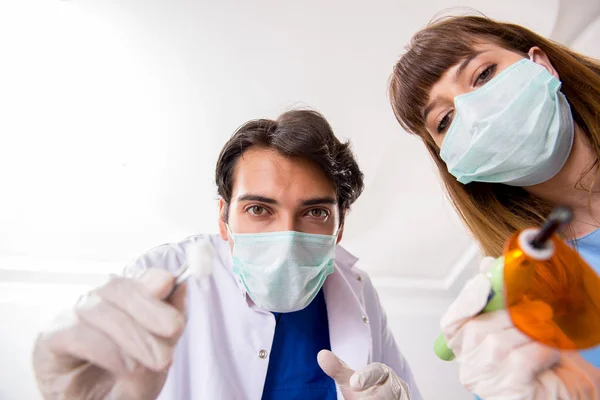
(267, 173)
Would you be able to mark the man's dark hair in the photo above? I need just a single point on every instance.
(297, 133)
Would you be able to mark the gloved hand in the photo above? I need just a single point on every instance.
(497, 361)
(117, 343)
(375, 382)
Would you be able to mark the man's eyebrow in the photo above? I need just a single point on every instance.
(256, 197)
(319, 200)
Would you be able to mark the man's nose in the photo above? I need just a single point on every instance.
(287, 222)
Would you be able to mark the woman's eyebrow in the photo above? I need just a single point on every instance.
(462, 66)
(465, 63)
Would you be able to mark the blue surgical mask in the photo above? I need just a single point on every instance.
(517, 129)
(283, 271)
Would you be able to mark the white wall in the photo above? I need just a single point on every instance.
(113, 113)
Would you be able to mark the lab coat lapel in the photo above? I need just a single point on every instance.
(349, 331)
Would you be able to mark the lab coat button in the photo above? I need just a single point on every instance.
(365, 319)
(262, 354)
(359, 278)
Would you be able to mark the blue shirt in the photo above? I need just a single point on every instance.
(293, 372)
(589, 249)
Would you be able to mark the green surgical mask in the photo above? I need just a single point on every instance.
(517, 129)
(283, 271)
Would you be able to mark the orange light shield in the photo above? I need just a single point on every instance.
(556, 301)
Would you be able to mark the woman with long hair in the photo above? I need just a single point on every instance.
(512, 121)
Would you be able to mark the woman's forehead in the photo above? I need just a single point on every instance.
(479, 50)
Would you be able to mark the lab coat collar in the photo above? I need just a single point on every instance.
(344, 258)
(224, 255)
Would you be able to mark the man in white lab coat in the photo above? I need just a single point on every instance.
(281, 294)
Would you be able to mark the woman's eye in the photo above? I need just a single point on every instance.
(318, 213)
(445, 122)
(256, 210)
(486, 75)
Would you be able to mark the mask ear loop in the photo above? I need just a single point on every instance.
(229, 231)
(337, 232)
(530, 54)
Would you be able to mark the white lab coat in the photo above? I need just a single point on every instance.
(224, 350)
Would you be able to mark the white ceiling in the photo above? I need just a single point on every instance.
(113, 113)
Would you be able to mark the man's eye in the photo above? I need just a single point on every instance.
(318, 213)
(256, 210)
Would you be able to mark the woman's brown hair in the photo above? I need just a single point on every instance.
(492, 212)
